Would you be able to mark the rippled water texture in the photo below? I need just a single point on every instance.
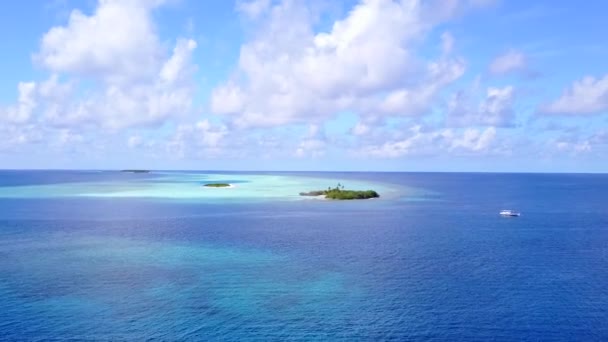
(102, 256)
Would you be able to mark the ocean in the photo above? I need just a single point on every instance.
(92, 255)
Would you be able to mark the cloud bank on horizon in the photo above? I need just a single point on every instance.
(287, 84)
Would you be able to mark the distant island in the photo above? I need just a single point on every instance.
(135, 171)
(339, 193)
(218, 185)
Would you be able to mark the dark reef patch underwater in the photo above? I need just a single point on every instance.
(431, 261)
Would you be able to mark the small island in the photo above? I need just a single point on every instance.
(339, 193)
(135, 171)
(218, 185)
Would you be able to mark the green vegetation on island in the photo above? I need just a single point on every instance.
(313, 193)
(351, 194)
(135, 171)
(339, 193)
(217, 185)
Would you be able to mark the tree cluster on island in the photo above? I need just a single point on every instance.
(217, 185)
(135, 171)
(339, 193)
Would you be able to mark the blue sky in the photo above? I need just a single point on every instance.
(437, 85)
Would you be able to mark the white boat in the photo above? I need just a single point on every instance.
(508, 212)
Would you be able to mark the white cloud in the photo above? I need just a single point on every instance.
(360, 129)
(447, 42)
(227, 99)
(367, 63)
(425, 142)
(253, 8)
(179, 66)
(201, 139)
(209, 135)
(313, 144)
(573, 147)
(600, 137)
(135, 141)
(108, 70)
(474, 139)
(15, 136)
(66, 137)
(496, 109)
(585, 96)
(22, 111)
(575, 142)
(364, 63)
(418, 100)
(417, 142)
(117, 42)
(510, 61)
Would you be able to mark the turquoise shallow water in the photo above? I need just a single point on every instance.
(171, 185)
(431, 261)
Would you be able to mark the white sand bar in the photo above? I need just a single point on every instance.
(191, 186)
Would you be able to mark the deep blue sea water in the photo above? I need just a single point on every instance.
(438, 263)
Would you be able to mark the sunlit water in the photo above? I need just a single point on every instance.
(104, 255)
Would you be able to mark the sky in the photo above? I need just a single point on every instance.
(370, 85)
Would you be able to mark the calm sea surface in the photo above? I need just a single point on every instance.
(434, 262)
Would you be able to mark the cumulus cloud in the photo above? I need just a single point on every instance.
(420, 141)
(474, 139)
(69, 137)
(366, 62)
(509, 62)
(117, 42)
(573, 147)
(313, 144)
(200, 139)
(26, 103)
(108, 70)
(495, 109)
(586, 96)
(418, 100)
(179, 66)
(253, 8)
(16, 136)
(579, 143)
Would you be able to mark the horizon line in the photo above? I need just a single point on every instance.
(320, 171)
